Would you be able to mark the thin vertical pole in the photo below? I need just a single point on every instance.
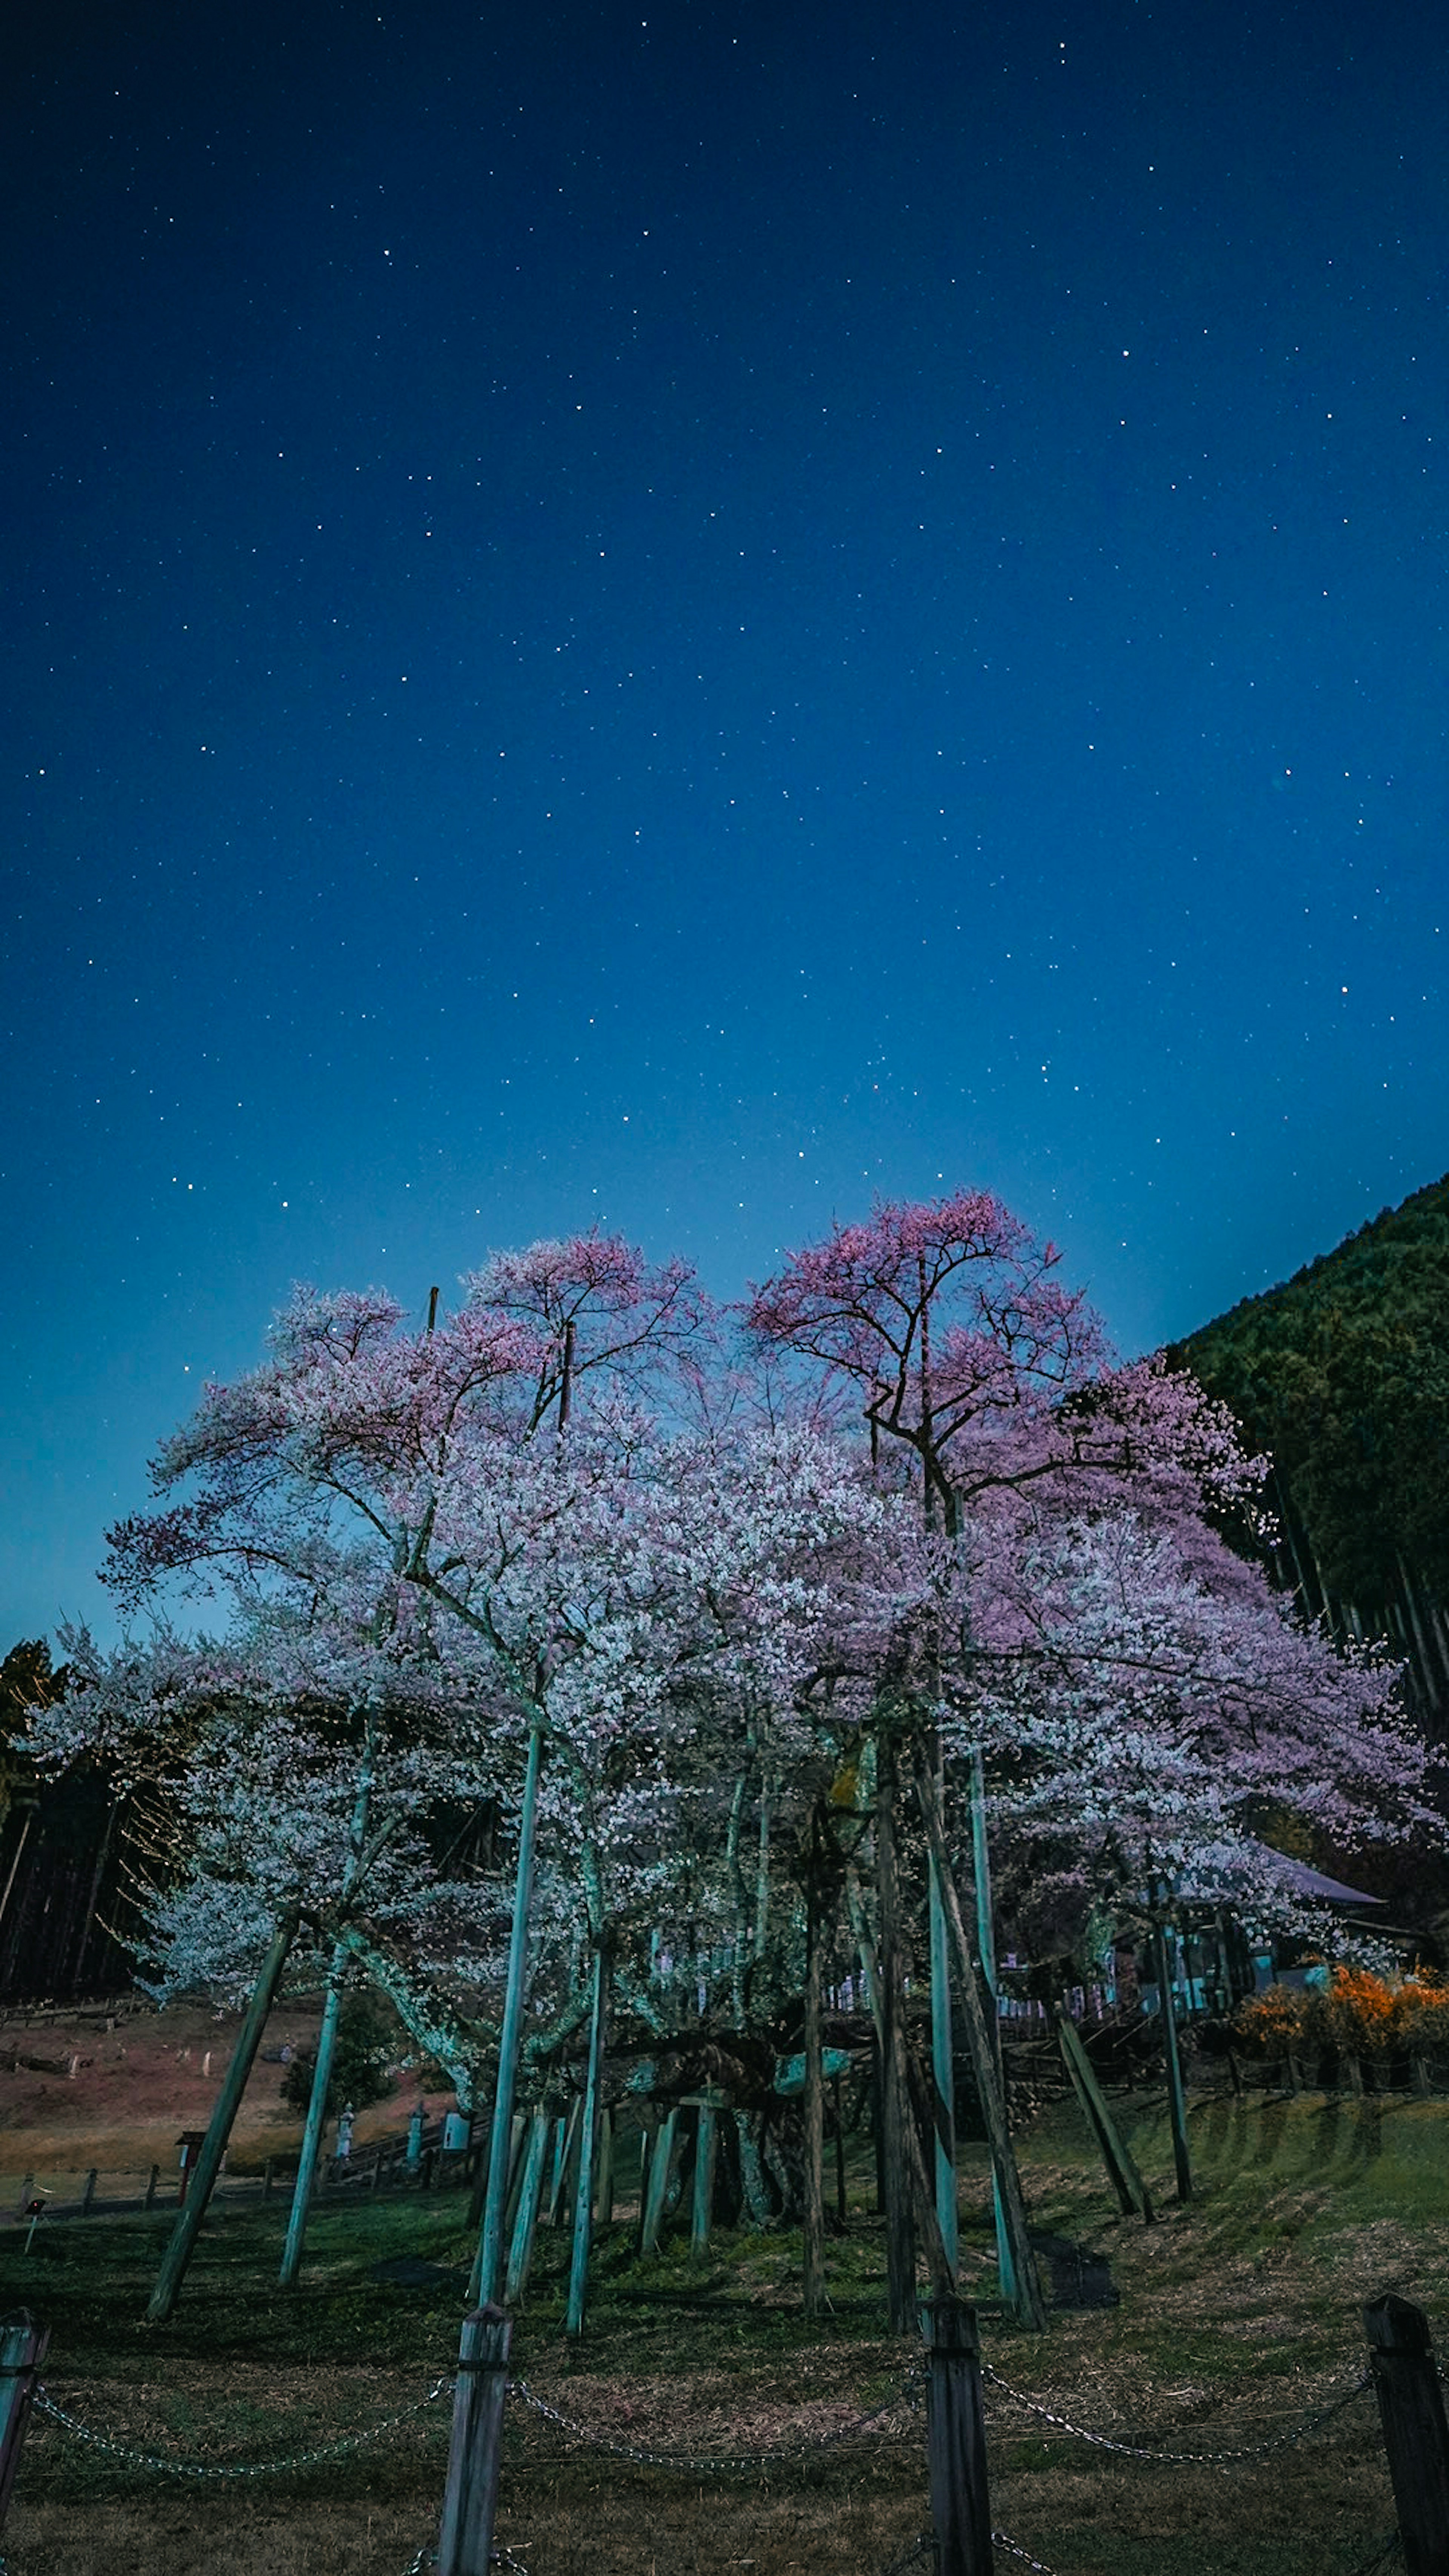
(986, 1949)
(660, 2163)
(179, 2250)
(943, 2072)
(604, 2186)
(316, 2119)
(704, 2161)
(1176, 2099)
(490, 2243)
(813, 2232)
(525, 2224)
(331, 2011)
(895, 2105)
(588, 2151)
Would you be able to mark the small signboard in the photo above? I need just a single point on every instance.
(790, 2071)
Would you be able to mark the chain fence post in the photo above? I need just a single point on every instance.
(956, 2441)
(22, 2350)
(1416, 2439)
(470, 2498)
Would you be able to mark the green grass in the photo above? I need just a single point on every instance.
(1237, 2314)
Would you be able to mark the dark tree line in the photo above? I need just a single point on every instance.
(69, 1857)
(1342, 1376)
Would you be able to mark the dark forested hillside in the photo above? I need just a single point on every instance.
(1342, 1376)
(65, 1866)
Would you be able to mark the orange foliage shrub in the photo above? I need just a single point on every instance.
(1269, 2024)
(1424, 2013)
(1359, 2014)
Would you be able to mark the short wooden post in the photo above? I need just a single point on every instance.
(88, 2191)
(151, 2186)
(22, 2350)
(470, 2498)
(267, 2171)
(27, 2194)
(1416, 2439)
(1422, 2083)
(956, 2441)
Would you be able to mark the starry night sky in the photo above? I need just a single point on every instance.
(680, 615)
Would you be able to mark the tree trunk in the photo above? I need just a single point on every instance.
(814, 2213)
(895, 2101)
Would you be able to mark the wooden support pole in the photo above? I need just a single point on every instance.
(1411, 2410)
(590, 2122)
(942, 2072)
(562, 2134)
(182, 2242)
(517, 2141)
(88, 2192)
(470, 2498)
(1176, 2098)
(151, 2186)
(896, 2112)
(488, 2259)
(316, 2119)
(704, 2160)
(22, 2350)
(1029, 2306)
(660, 2164)
(525, 2225)
(986, 1953)
(1116, 2155)
(956, 2441)
(604, 2197)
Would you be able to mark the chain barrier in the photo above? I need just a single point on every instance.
(718, 2462)
(1176, 2459)
(174, 2468)
(1014, 2549)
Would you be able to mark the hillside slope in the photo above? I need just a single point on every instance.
(1342, 1376)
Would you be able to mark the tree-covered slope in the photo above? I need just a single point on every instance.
(1342, 1375)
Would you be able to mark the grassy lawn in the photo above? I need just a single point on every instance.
(1238, 2315)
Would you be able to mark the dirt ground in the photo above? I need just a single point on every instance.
(138, 2084)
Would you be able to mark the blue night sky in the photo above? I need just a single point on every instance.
(682, 615)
